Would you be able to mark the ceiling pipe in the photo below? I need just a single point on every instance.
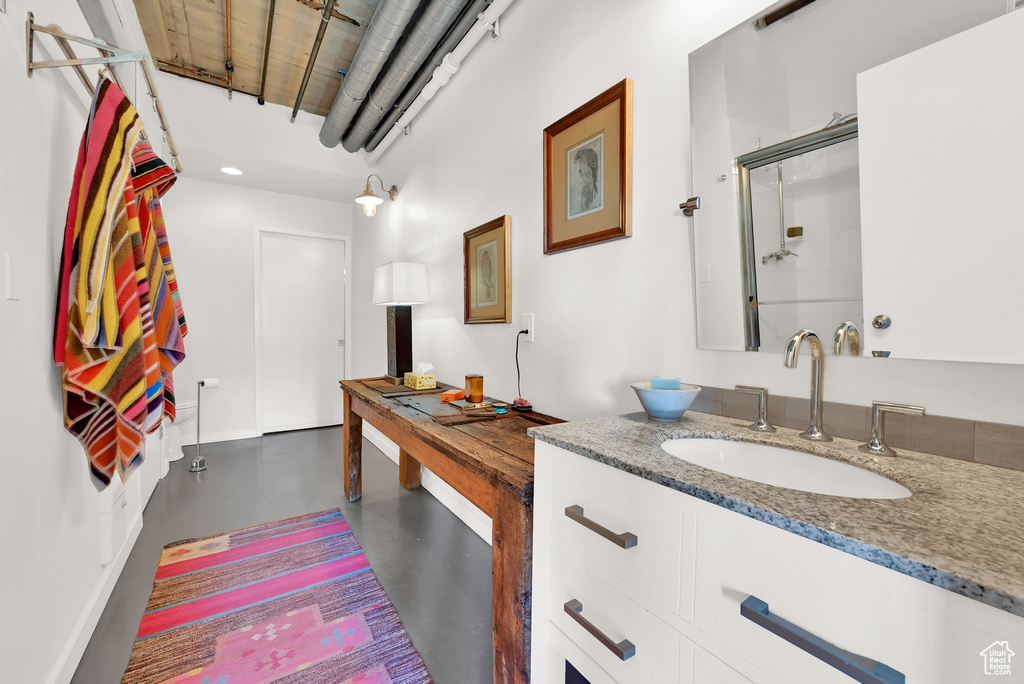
(454, 37)
(229, 65)
(430, 27)
(313, 4)
(386, 27)
(266, 53)
(325, 18)
(442, 74)
(206, 77)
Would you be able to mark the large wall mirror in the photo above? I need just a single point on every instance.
(859, 161)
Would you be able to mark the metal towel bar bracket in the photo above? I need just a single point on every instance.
(111, 54)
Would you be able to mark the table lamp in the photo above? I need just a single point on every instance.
(398, 285)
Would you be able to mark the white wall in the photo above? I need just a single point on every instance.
(52, 584)
(613, 313)
(212, 231)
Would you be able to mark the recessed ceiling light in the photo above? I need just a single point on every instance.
(231, 171)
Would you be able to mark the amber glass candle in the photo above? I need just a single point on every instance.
(475, 388)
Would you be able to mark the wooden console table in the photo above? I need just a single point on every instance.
(487, 460)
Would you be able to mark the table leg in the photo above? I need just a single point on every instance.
(408, 470)
(512, 569)
(352, 459)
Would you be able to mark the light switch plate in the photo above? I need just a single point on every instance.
(11, 290)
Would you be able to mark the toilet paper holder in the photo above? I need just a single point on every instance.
(199, 462)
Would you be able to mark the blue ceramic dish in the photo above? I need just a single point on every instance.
(664, 404)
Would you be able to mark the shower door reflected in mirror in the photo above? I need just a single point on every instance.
(803, 242)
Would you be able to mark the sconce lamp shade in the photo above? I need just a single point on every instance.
(400, 283)
(369, 199)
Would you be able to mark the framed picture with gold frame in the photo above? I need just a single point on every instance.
(588, 172)
(488, 273)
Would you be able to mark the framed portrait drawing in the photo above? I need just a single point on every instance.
(488, 273)
(588, 172)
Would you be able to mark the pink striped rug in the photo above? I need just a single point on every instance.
(288, 601)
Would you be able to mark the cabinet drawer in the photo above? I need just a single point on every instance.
(651, 647)
(707, 669)
(660, 564)
(560, 650)
(820, 600)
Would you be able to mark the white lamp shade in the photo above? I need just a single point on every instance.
(400, 283)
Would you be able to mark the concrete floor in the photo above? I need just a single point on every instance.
(435, 570)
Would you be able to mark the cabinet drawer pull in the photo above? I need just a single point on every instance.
(626, 540)
(624, 650)
(856, 666)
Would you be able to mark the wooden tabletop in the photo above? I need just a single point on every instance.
(496, 449)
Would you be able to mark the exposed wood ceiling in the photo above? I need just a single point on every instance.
(188, 37)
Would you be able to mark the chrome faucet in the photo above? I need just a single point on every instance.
(815, 431)
(846, 331)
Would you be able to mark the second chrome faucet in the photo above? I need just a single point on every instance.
(815, 431)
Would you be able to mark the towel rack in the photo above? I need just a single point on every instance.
(111, 54)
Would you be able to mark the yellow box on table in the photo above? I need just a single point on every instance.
(420, 381)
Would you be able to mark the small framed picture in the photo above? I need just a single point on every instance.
(588, 169)
(488, 273)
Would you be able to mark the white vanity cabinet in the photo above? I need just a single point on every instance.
(669, 607)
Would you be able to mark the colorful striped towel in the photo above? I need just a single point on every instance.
(151, 178)
(105, 335)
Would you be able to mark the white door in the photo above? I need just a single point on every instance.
(302, 330)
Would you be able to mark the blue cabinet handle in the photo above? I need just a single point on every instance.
(859, 667)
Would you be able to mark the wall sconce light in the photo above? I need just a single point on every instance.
(370, 200)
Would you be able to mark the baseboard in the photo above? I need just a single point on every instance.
(464, 510)
(72, 653)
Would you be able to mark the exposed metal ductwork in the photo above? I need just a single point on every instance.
(386, 27)
(455, 36)
(431, 26)
(487, 24)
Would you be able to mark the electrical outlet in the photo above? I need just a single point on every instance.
(528, 325)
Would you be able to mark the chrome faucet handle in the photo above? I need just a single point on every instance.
(876, 445)
(847, 330)
(762, 424)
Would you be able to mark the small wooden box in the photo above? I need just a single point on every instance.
(419, 382)
(452, 395)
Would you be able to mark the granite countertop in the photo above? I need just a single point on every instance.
(960, 530)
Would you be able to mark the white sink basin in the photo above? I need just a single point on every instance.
(785, 468)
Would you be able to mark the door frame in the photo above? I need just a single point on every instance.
(259, 230)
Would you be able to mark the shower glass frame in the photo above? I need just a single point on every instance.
(744, 164)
